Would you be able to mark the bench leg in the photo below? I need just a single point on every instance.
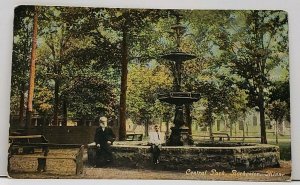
(8, 164)
(41, 165)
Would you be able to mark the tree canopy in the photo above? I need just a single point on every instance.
(102, 61)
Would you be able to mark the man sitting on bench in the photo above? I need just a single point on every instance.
(156, 140)
(104, 137)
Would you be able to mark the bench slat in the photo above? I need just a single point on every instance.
(43, 157)
(25, 137)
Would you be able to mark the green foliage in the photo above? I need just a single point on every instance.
(144, 83)
(89, 96)
(279, 103)
(280, 91)
(43, 100)
(81, 51)
(277, 110)
(255, 44)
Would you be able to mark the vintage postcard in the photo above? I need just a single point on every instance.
(111, 93)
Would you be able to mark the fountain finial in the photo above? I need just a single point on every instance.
(179, 30)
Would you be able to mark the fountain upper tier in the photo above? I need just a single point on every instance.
(179, 98)
(178, 56)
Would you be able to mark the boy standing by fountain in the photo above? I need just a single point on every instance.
(156, 140)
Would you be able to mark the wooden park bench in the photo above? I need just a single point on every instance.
(134, 137)
(26, 139)
(41, 158)
(245, 137)
(221, 136)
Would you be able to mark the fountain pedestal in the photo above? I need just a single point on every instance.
(180, 135)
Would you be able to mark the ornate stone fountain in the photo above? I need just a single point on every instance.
(201, 156)
(180, 132)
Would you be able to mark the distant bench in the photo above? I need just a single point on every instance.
(134, 137)
(221, 136)
(246, 137)
(77, 158)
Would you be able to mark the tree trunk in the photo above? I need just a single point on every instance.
(32, 69)
(56, 102)
(44, 124)
(210, 131)
(65, 113)
(147, 127)
(210, 120)
(243, 123)
(261, 107)
(82, 121)
(231, 125)
(235, 131)
(210, 124)
(21, 108)
(276, 131)
(23, 87)
(167, 125)
(28, 121)
(124, 71)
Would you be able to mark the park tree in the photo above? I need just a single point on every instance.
(277, 110)
(95, 55)
(280, 92)
(32, 70)
(221, 98)
(65, 57)
(56, 35)
(126, 24)
(278, 107)
(23, 26)
(253, 44)
(85, 45)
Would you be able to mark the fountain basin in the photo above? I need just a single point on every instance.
(243, 157)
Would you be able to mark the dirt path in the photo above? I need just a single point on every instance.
(281, 174)
(66, 171)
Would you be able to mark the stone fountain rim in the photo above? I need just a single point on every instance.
(253, 145)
